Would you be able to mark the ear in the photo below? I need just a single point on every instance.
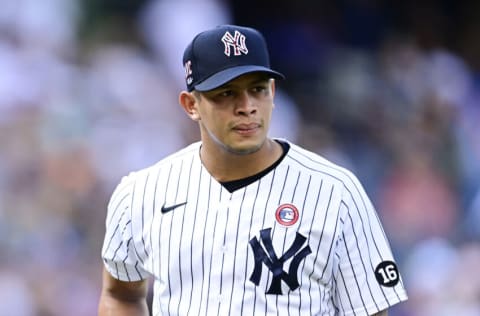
(272, 87)
(189, 103)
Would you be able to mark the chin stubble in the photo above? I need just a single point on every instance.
(241, 152)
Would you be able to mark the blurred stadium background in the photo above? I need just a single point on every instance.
(88, 92)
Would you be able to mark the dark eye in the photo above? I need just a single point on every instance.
(259, 88)
(226, 93)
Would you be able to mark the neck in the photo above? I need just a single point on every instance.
(227, 166)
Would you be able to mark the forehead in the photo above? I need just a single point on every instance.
(246, 80)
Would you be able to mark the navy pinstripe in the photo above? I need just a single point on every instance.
(199, 253)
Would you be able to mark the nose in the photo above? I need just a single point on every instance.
(245, 104)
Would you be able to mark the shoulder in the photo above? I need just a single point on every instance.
(132, 188)
(191, 152)
(131, 180)
(317, 164)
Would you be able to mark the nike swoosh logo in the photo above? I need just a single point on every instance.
(166, 209)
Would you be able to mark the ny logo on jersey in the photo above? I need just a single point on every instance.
(275, 264)
(236, 42)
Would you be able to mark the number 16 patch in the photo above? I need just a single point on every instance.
(387, 273)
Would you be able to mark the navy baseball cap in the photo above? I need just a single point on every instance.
(216, 56)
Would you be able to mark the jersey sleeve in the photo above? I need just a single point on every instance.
(118, 252)
(367, 279)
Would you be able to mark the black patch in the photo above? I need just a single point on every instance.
(387, 273)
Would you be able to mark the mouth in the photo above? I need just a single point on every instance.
(247, 129)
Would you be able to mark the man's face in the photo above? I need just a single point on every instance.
(236, 116)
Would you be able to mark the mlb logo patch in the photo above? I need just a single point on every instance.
(287, 214)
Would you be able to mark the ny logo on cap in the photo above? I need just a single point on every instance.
(236, 42)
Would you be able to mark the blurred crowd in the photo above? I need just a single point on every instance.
(88, 92)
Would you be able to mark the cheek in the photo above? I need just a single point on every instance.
(215, 117)
(212, 122)
(267, 112)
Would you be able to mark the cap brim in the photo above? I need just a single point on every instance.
(224, 76)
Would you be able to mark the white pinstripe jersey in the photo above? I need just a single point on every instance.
(304, 239)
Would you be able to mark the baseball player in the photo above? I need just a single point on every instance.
(240, 223)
